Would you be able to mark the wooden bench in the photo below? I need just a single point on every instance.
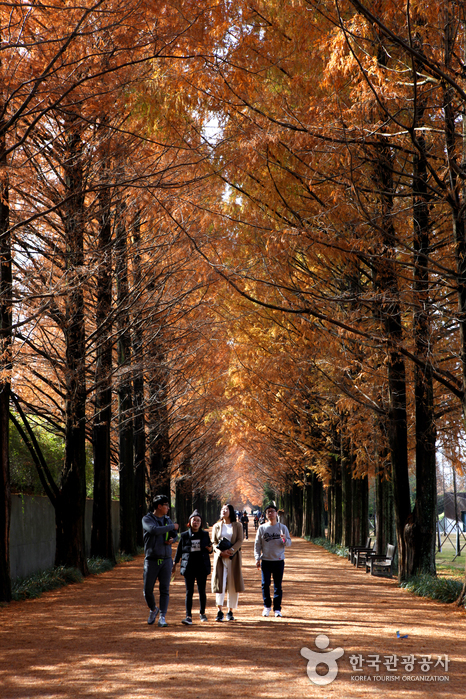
(379, 565)
(352, 549)
(362, 554)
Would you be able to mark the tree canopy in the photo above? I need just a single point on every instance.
(232, 256)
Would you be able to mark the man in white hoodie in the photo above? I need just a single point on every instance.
(269, 552)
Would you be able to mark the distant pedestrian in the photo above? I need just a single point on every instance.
(269, 552)
(245, 523)
(256, 522)
(193, 551)
(159, 535)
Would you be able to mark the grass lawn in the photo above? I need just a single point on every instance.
(447, 564)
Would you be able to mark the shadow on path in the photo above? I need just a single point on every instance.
(93, 640)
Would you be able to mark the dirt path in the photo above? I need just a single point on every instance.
(93, 640)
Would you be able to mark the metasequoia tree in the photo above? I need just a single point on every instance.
(28, 61)
(101, 538)
(5, 350)
(326, 164)
(65, 69)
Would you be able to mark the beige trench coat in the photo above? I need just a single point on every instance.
(236, 561)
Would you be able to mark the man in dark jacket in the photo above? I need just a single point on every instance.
(159, 534)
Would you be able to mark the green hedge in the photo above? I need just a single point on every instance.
(59, 576)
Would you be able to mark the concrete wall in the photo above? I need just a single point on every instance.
(32, 533)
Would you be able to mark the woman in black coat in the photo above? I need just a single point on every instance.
(193, 550)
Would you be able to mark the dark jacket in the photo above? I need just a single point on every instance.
(157, 531)
(183, 551)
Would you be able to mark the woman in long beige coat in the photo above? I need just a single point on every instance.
(227, 577)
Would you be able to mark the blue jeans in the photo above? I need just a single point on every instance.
(272, 569)
(160, 570)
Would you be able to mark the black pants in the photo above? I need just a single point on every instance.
(245, 530)
(190, 577)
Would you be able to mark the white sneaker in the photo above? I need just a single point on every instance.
(278, 612)
(266, 611)
(162, 621)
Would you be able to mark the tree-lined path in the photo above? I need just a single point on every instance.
(92, 639)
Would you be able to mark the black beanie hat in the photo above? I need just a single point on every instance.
(196, 513)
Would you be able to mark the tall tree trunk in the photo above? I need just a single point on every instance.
(360, 510)
(102, 538)
(456, 196)
(183, 500)
(184, 491)
(199, 502)
(386, 529)
(420, 533)
(390, 314)
(335, 520)
(5, 363)
(125, 400)
(317, 522)
(158, 437)
(69, 513)
(297, 512)
(138, 388)
(346, 489)
(307, 504)
(287, 505)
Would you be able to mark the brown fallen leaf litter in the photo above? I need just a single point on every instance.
(92, 639)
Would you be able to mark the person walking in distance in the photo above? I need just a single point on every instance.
(245, 523)
(269, 552)
(227, 577)
(159, 535)
(193, 551)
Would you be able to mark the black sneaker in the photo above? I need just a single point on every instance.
(230, 616)
(219, 616)
(188, 621)
(203, 617)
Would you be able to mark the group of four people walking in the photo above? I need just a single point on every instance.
(193, 553)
